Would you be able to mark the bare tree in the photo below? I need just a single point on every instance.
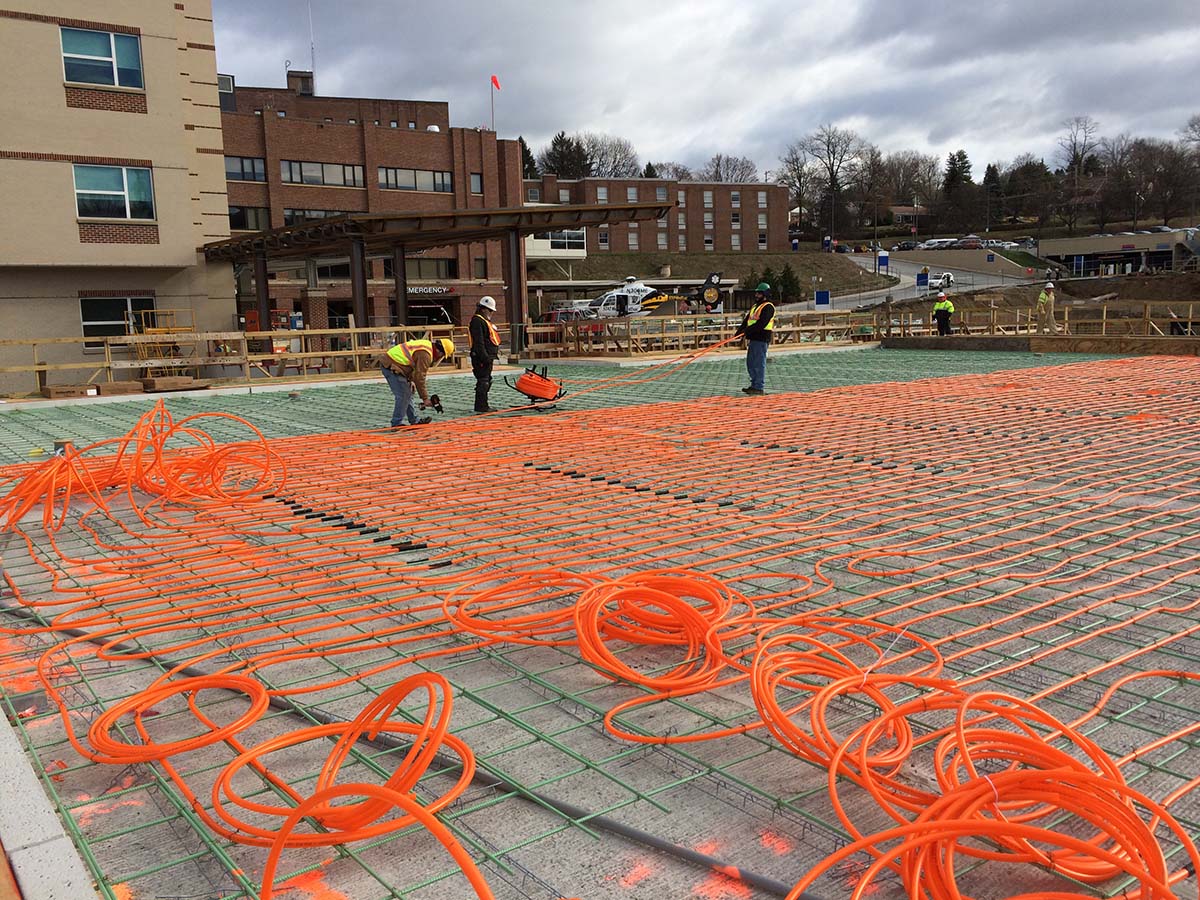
(797, 171)
(868, 179)
(674, 171)
(1077, 144)
(735, 169)
(1191, 133)
(900, 170)
(834, 149)
(611, 156)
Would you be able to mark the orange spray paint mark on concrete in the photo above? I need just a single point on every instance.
(17, 674)
(708, 848)
(122, 891)
(775, 842)
(721, 887)
(56, 766)
(313, 885)
(636, 875)
(86, 815)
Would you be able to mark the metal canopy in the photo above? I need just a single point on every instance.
(423, 230)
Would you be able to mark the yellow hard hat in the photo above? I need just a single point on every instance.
(447, 346)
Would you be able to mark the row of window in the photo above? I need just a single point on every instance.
(420, 180)
(534, 195)
(113, 316)
(634, 240)
(102, 57)
(113, 192)
(572, 239)
(332, 174)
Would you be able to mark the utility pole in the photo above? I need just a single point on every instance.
(916, 221)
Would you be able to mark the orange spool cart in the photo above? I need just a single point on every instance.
(537, 386)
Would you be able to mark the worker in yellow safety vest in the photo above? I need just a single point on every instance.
(484, 341)
(1045, 310)
(404, 367)
(757, 326)
(943, 309)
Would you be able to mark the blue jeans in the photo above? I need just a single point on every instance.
(756, 363)
(402, 390)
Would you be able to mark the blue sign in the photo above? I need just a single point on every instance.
(991, 257)
(883, 259)
(822, 299)
(922, 279)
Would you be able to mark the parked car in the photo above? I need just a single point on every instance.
(588, 322)
(936, 244)
(968, 244)
(1161, 229)
(843, 248)
(904, 245)
(941, 280)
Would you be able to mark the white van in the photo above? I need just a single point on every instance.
(936, 244)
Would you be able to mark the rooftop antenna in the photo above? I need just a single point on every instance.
(312, 47)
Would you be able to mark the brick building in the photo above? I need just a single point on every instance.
(110, 158)
(708, 216)
(292, 156)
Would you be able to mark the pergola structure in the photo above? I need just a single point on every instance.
(359, 235)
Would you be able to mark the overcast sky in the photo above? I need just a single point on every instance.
(685, 80)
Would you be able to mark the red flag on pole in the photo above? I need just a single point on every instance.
(496, 82)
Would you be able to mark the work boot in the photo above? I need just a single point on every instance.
(424, 420)
(480, 412)
(753, 392)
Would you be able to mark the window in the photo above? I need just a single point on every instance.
(762, 221)
(533, 195)
(682, 218)
(762, 199)
(258, 112)
(330, 174)
(245, 168)
(112, 316)
(708, 220)
(329, 120)
(564, 195)
(735, 199)
(708, 199)
(226, 98)
(296, 216)
(100, 57)
(376, 121)
(572, 239)
(476, 182)
(735, 220)
(631, 194)
(603, 237)
(431, 269)
(352, 122)
(662, 223)
(681, 198)
(415, 180)
(634, 238)
(282, 113)
(394, 123)
(762, 240)
(249, 218)
(601, 194)
(660, 194)
(334, 270)
(662, 240)
(682, 244)
(735, 241)
(412, 124)
(479, 267)
(113, 192)
(708, 242)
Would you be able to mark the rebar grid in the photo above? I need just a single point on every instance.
(1034, 527)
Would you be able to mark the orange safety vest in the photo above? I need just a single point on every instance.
(493, 334)
(402, 354)
(756, 312)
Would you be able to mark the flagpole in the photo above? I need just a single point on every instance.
(492, 97)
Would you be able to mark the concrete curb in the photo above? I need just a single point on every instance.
(43, 858)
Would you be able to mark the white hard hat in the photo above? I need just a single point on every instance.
(1050, 285)
(488, 303)
(941, 294)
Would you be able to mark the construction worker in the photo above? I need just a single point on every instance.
(757, 327)
(484, 341)
(943, 309)
(404, 367)
(1045, 310)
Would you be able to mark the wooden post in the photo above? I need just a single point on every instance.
(992, 320)
(1146, 319)
(1066, 320)
(1104, 320)
(245, 357)
(108, 358)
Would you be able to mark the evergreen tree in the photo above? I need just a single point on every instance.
(650, 171)
(958, 173)
(770, 278)
(789, 285)
(751, 279)
(991, 179)
(565, 157)
(528, 163)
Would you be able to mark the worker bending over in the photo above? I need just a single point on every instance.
(757, 326)
(943, 309)
(404, 367)
(484, 341)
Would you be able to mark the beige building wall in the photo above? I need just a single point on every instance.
(48, 254)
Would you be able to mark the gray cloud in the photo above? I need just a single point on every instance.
(684, 80)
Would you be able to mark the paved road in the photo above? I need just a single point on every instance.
(963, 280)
